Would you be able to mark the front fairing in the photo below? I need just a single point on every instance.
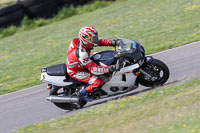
(132, 50)
(131, 46)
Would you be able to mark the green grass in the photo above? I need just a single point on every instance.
(174, 109)
(157, 24)
(4, 3)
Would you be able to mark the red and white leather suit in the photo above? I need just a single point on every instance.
(80, 67)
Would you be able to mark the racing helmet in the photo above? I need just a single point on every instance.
(88, 36)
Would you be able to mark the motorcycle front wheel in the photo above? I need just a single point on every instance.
(66, 106)
(158, 71)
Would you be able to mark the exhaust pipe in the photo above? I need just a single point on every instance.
(65, 99)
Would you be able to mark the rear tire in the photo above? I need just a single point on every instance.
(158, 70)
(65, 106)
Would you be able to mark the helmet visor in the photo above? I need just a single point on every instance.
(92, 39)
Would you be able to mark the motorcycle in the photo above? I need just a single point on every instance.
(133, 68)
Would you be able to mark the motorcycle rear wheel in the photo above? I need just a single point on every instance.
(159, 72)
(65, 106)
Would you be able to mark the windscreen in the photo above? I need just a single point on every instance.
(128, 44)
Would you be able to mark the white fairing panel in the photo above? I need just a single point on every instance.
(117, 80)
(129, 68)
(55, 80)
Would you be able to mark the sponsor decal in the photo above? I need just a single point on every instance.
(100, 70)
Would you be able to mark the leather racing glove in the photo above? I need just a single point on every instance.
(112, 68)
(115, 43)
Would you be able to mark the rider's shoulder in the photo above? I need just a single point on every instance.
(75, 40)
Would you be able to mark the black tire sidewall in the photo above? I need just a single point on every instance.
(18, 15)
(162, 81)
(10, 9)
(30, 3)
(42, 9)
(13, 23)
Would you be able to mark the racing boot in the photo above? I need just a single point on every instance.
(85, 95)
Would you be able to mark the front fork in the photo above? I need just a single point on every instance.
(145, 73)
(148, 59)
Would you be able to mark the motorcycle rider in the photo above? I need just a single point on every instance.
(79, 65)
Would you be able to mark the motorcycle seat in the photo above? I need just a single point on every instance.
(57, 70)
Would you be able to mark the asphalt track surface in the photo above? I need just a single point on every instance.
(29, 106)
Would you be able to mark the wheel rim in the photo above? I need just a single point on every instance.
(156, 72)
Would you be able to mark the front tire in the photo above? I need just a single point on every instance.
(159, 72)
